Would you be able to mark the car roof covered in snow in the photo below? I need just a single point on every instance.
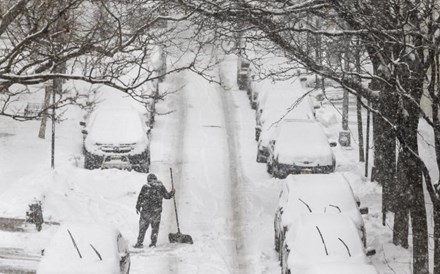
(323, 238)
(116, 125)
(318, 193)
(61, 256)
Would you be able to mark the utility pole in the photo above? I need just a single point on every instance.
(344, 134)
(345, 95)
(46, 103)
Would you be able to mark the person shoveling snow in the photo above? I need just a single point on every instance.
(149, 204)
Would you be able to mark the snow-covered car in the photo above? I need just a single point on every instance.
(268, 134)
(116, 137)
(317, 239)
(316, 193)
(341, 268)
(86, 248)
(301, 147)
(242, 73)
(284, 104)
(270, 129)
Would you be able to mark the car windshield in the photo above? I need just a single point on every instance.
(117, 126)
(330, 238)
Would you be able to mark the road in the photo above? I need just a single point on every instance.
(221, 190)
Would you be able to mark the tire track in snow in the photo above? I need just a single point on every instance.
(236, 184)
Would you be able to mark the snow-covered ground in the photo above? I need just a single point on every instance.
(225, 199)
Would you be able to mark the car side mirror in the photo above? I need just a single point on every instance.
(85, 132)
(370, 252)
(82, 123)
(363, 210)
(333, 144)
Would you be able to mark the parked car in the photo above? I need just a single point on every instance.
(268, 134)
(270, 130)
(317, 239)
(316, 193)
(86, 248)
(301, 147)
(283, 105)
(116, 137)
(242, 73)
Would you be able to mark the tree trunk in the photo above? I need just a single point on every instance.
(360, 129)
(359, 105)
(401, 211)
(436, 217)
(408, 126)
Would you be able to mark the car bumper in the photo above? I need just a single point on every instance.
(285, 169)
(118, 160)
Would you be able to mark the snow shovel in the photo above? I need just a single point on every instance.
(178, 237)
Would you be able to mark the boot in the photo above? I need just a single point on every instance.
(138, 245)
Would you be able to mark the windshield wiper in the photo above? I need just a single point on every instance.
(322, 239)
(74, 244)
(348, 250)
(305, 204)
(96, 251)
(337, 207)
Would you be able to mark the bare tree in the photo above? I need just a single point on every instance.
(101, 42)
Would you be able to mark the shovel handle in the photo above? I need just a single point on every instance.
(174, 200)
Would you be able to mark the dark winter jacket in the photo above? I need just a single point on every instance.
(151, 196)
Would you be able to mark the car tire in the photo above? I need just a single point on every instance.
(259, 160)
(269, 168)
(88, 163)
(276, 171)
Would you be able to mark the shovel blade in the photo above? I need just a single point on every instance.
(180, 238)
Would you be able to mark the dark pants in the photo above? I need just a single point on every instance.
(145, 220)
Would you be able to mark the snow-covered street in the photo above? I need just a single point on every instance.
(225, 199)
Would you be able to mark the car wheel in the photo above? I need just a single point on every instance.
(259, 160)
(88, 163)
(269, 168)
(277, 243)
(145, 167)
(275, 171)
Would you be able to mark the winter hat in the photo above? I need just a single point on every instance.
(151, 177)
